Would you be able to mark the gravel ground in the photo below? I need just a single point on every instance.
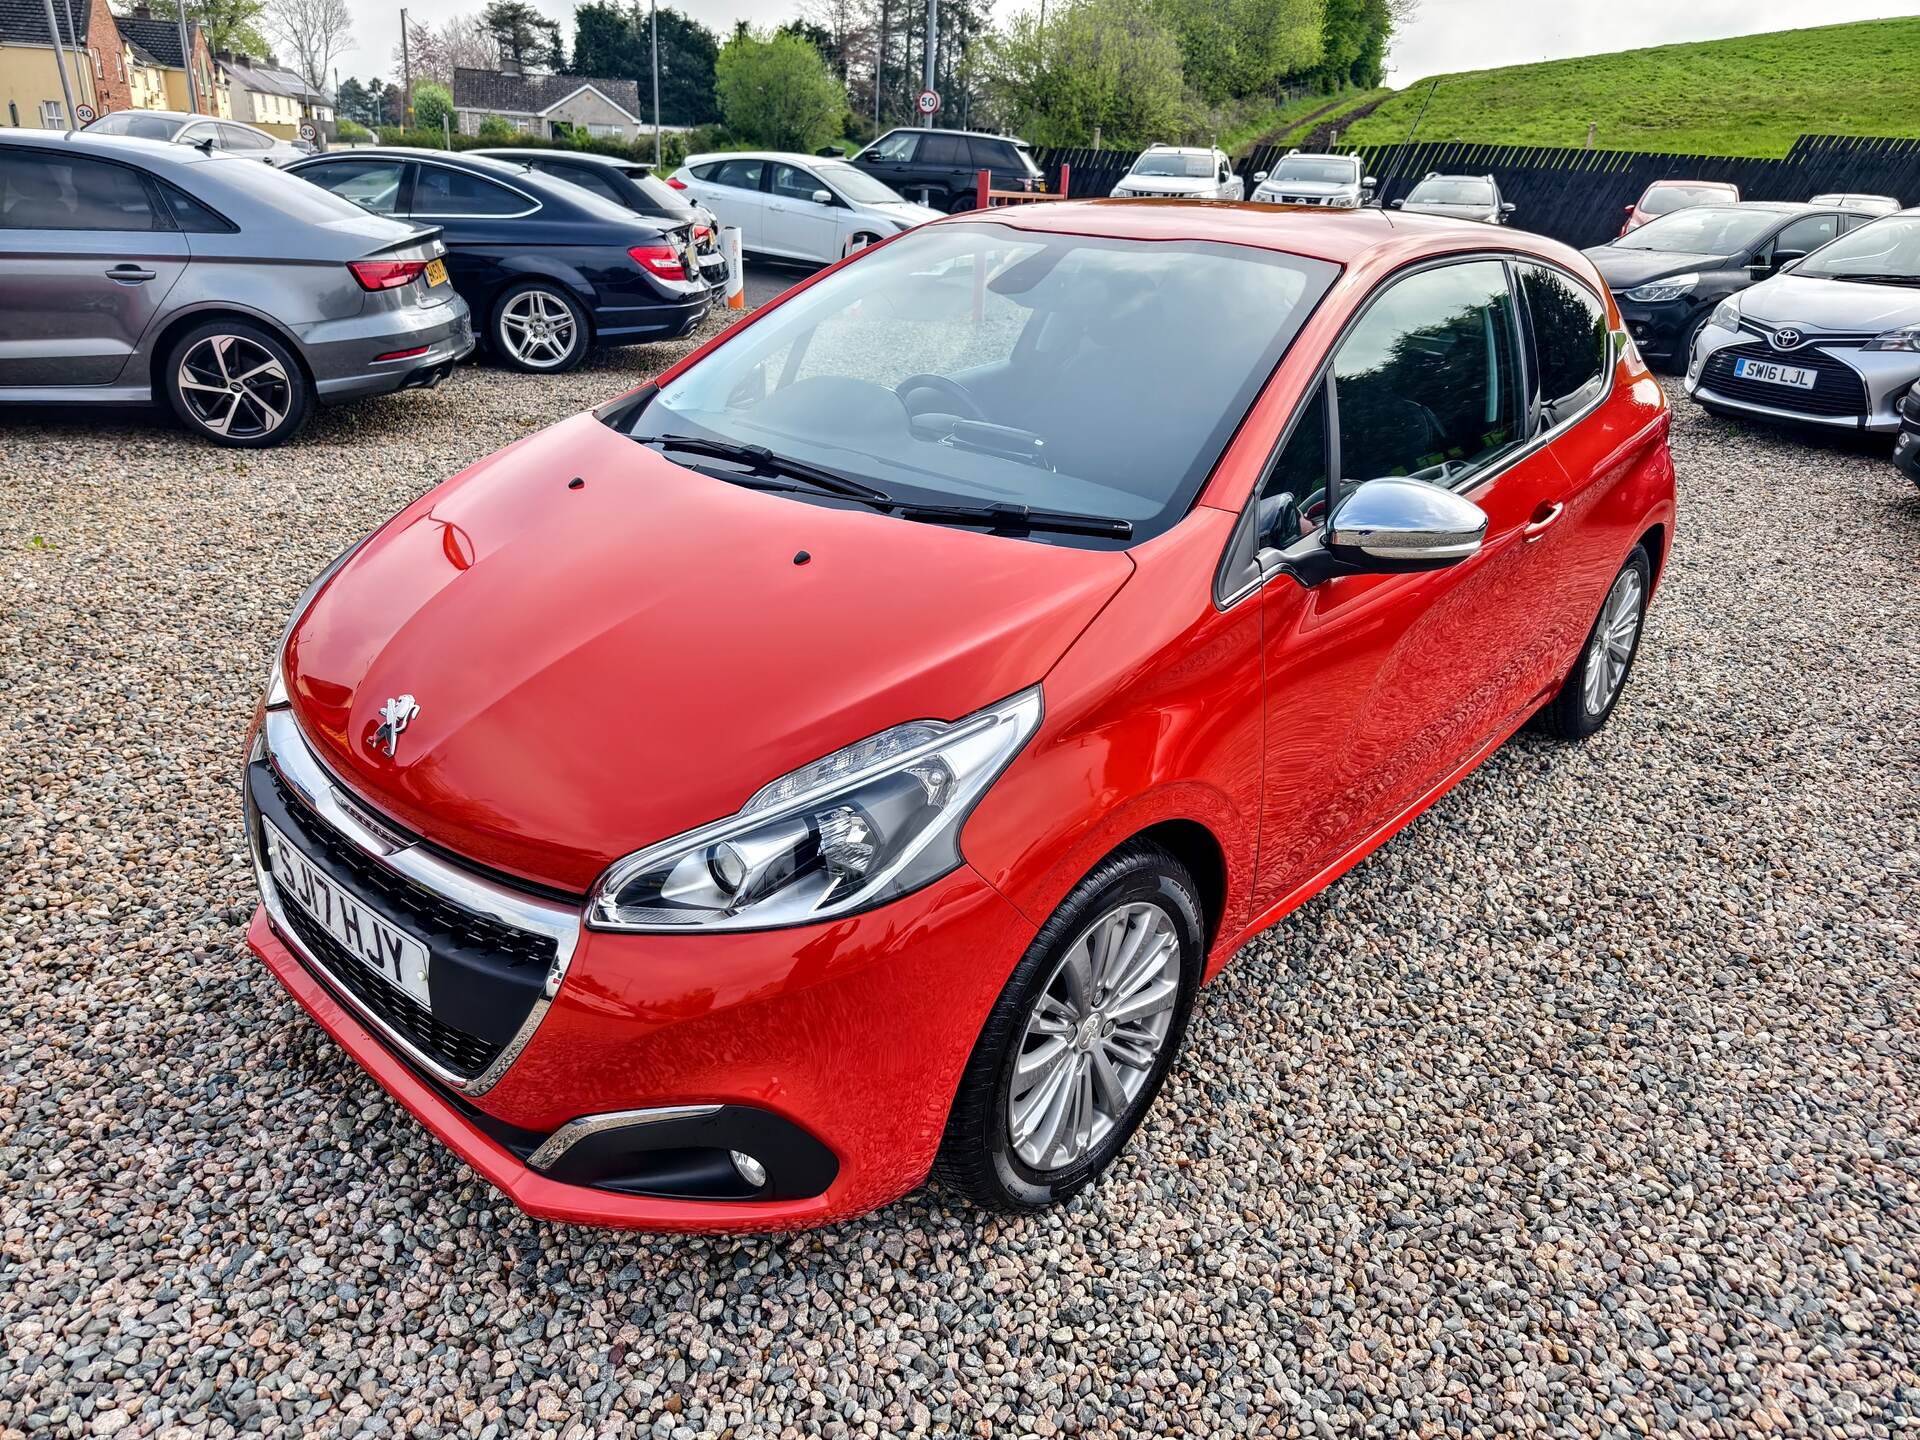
(1586, 1107)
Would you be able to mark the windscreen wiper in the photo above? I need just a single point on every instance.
(1017, 519)
(1875, 277)
(759, 458)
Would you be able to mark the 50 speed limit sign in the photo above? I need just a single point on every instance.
(928, 102)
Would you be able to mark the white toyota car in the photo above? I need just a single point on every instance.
(1186, 172)
(797, 207)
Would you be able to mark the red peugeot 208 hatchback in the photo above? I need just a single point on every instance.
(845, 758)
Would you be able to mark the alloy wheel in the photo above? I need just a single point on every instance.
(1094, 1036)
(1610, 650)
(538, 328)
(234, 386)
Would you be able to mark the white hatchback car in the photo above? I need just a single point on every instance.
(797, 207)
(1188, 172)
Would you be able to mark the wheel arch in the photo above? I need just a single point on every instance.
(1654, 541)
(169, 336)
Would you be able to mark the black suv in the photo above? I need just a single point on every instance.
(942, 167)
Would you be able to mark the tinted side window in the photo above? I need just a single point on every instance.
(439, 191)
(938, 149)
(992, 154)
(897, 147)
(1426, 382)
(64, 192)
(1808, 235)
(1569, 339)
(238, 137)
(371, 184)
(741, 174)
(587, 177)
(191, 216)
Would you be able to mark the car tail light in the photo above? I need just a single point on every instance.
(661, 260)
(386, 274)
(676, 182)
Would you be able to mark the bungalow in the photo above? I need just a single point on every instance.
(273, 99)
(545, 105)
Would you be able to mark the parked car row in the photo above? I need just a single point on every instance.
(797, 207)
(181, 127)
(140, 270)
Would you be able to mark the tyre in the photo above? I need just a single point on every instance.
(539, 328)
(962, 201)
(1586, 700)
(237, 383)
(1684, 354)
(1081, 1038)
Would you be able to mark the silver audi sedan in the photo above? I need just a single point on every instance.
(135, 271)
(1833, 339)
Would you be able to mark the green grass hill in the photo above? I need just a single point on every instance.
(1750, 95)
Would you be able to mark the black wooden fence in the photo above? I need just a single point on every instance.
(1579, 196)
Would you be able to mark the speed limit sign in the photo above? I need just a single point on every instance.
(307, 131)
(84, 113)
(929, 102)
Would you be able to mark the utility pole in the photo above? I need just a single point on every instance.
(73, 39)
(653, 9)
(66, 89)
(406, 70)
(186, 56)
(933, 21)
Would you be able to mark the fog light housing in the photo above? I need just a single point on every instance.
(748, 1168)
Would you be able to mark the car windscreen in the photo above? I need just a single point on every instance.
(978, 365)
(1665, 199)
(856, 185)
(1178, 167)
(1452, 192)
(1702, 230)
(1328, 169)
(1886, 251)
(139, 126)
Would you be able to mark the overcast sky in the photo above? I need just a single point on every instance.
(1446, 35)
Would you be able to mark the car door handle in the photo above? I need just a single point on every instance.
(130, 273)
(1543, 519)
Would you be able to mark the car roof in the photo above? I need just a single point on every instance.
(482, 163)
(1183, 149)
(976, 134)
(1678, 180)
(508, 154)
(1318, 232)
(154, 152)
(791, 157)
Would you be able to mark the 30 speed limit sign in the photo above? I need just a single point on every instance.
(307, 131)
(929, 102)
(84, 114)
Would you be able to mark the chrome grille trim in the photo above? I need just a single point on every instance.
(296, 764)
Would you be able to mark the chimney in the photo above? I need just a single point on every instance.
(143, 11)
(509, 67)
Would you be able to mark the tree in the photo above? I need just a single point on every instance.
(230, 25)
(432, 102)
(776, 90)
(617, 42)
(493, 129)
(314, 31)
(1231, 49)
(1098, 63)
(460, 43)
(525, 36)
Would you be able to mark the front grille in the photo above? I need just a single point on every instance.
(464, 1054)
(436, 921)
(1838, 389)
(486, 975)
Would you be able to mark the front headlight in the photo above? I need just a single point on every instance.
(1120, 192)
(863, 826)
(1671, 288)
(1907, 338)
(1726, 315)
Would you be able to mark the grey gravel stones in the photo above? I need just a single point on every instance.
(1587, 1107)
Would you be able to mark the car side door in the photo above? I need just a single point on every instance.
(889, 157)
(1798, 240)
(1380, 687)
(483, 221)
(801, 225)
(732, 189)
(88, 255)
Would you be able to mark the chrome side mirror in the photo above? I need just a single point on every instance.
(1395, 525)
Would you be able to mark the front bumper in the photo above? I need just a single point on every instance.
(1857, 389)
(829, 1052)
(1658, 327)
(1906, 445)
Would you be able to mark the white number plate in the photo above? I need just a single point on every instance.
(394, 955)
(1774, 374)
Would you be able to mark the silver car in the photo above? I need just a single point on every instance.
(1334, 180)
(1185, 172)
(1833, 339)
(1458, 197)
(133, 271)
(179, 127)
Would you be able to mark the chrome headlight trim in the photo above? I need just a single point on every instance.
(1671, 287)
(1906, 339)
(976, 750)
